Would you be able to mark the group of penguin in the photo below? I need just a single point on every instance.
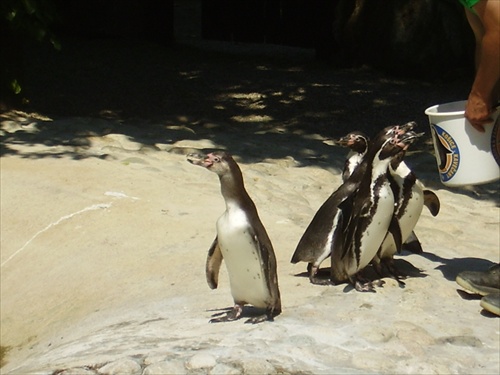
(367, 220)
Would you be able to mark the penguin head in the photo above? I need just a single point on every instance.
(398, 143)
(392, 130)
(405, 140)
(219, 162)
(356, 141)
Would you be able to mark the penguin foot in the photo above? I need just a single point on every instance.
(367, 286)
(313, 276)
(364, 287)
(317, 281)
(234, 314)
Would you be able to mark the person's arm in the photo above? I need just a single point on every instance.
(480, 102)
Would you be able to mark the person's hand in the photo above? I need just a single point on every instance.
(478, 112)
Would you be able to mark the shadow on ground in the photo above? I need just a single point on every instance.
(240, 97)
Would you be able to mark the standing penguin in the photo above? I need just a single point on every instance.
(408, 205)
(242, 242)
(329, 226)
(410, 198)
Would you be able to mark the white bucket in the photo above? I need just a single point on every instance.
(464, 155)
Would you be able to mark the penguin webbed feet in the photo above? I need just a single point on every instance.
(313, 276)
(236, 312)
(268, 316)
(362, 284)
(368, 286)
(317, 281)
(233, 314)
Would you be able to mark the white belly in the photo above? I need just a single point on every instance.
(243, 260)
(410, 216)
(376, 231)
(407, 221)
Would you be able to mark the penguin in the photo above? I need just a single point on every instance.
(411, 198)
(320, 237)
(408, 205)
(358, 143)
(243, 243)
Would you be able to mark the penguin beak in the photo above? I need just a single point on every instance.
(409, 126)
(398, 130)
(201, 160)
(405, 140)
(344, 141)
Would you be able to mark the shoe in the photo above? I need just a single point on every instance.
(483, 283)
(491, 303)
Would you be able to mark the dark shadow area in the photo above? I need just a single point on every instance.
(469, 296)
(452, 267)
(247, 93)
(223, 82)
(487, 314)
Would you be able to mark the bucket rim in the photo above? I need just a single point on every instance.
(431, 111)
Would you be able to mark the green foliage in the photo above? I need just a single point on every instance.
(15, 86)
(28, 20)
(31, 18)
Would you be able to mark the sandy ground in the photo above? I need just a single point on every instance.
(103, 250)
(105, 226)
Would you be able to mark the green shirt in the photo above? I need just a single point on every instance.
(469, 3)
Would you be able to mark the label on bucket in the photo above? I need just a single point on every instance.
(447, 153)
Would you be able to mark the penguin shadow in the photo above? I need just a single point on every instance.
(248, 312)
(450, 268)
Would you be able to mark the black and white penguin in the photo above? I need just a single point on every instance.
(408, 205)
(242, 242)
(365, 197)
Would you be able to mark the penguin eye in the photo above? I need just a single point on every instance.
(217, 159)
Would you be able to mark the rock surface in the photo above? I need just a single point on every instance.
(103, 270)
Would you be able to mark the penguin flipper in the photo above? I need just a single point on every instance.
(346, 226)
(431, 201)
(269, 265)
(395, 231)
(212, 267)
